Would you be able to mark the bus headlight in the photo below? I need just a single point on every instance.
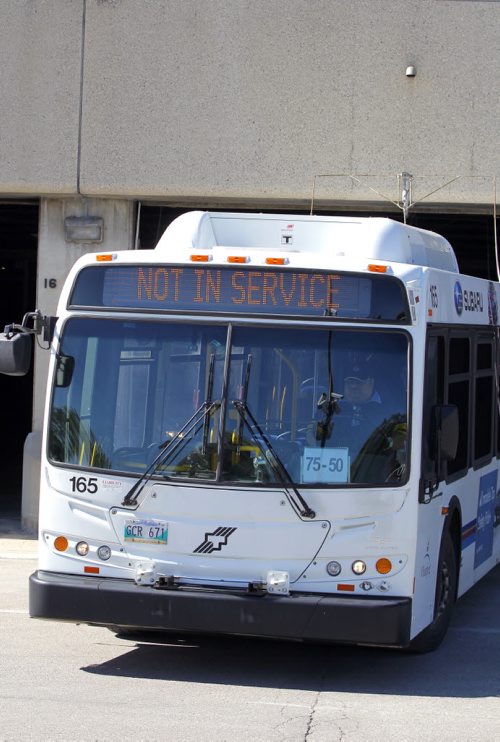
(82, 548)
(104, 552)
(333, 569)
(358, 567)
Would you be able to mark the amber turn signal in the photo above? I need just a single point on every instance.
(60, 543)
(383, 566)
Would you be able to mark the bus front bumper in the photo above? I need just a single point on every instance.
(115, 603)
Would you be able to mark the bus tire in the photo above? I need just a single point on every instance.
(446, 590)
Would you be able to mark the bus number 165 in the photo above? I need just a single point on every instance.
(84, 484)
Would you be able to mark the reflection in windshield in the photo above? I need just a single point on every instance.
(329, 405)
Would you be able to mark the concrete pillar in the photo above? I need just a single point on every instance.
(55, 259)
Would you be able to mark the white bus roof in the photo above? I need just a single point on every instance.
(373, 238)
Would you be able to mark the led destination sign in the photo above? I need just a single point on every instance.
(242, 290)
(289, 292)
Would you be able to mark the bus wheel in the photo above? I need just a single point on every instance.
(446, 589)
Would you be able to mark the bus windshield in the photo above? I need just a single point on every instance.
(233, 404)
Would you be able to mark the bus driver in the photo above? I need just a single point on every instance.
(361, 400)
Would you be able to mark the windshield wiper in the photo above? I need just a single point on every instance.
(208, 400)
(170, 446)
(327, 403)
(243, 400)
(276, 464)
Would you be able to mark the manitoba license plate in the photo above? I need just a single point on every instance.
(146, 531)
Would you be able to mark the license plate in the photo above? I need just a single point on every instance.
(146, 531)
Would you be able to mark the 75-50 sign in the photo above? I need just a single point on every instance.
(328, 465)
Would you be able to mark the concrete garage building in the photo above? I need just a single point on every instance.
(126, 113)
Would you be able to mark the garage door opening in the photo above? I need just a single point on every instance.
(18, 254)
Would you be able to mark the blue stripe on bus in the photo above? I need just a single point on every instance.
(469, 533)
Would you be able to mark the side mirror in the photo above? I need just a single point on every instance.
(15, 353)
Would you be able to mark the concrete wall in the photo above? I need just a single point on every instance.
(248, 99)
(40, 64)
(55, 258)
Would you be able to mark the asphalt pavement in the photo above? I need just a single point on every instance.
(61, 682)
(16, 542)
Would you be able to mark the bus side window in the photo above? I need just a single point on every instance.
(484, 401)
(433, 396)
(459, 380)
(497, 386)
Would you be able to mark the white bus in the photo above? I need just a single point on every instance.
(270, 425)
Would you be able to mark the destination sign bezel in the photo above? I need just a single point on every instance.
(243, 289)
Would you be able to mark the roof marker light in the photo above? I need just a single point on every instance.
(374, 268)
(238, 259)
(277, 261)
(108, 257)
(200, 258)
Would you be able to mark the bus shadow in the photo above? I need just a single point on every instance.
(466, 665)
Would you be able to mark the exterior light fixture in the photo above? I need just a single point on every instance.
(411, 71)
(104, 552)
(333, 568)
(83, 228)
(358, 567)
